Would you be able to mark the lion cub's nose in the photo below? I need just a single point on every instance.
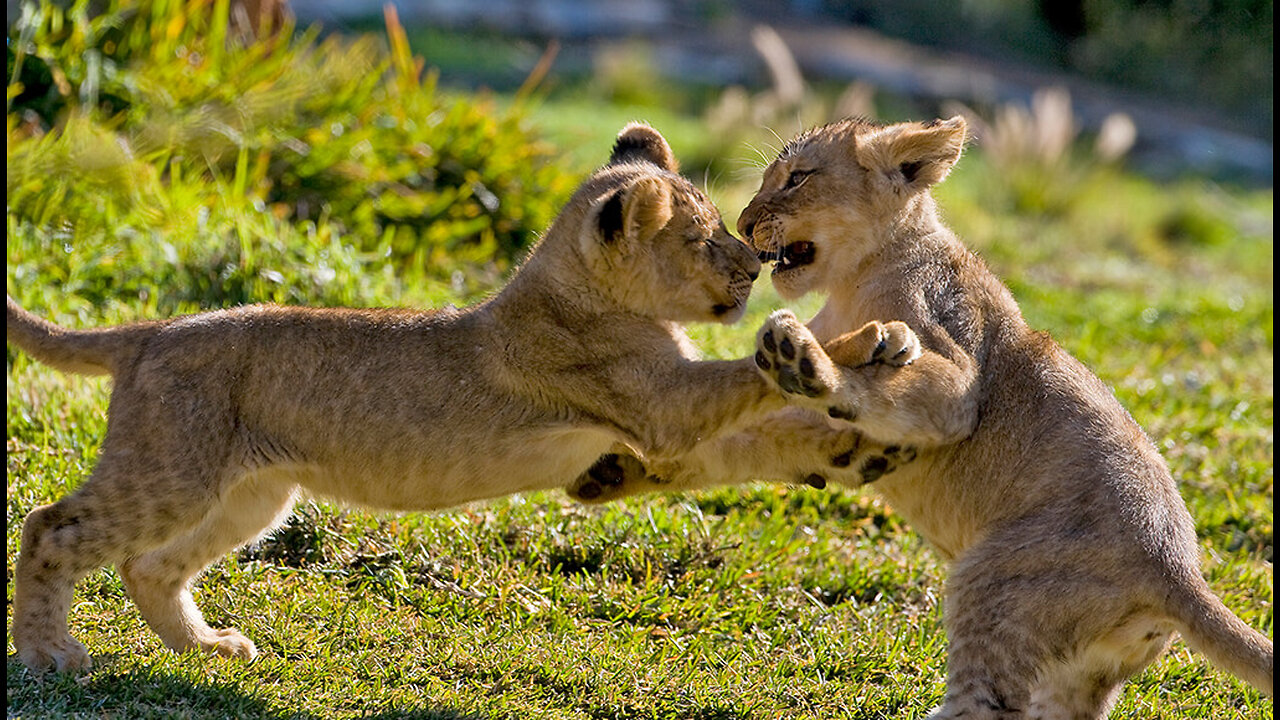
(745, 227)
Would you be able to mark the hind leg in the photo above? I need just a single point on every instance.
(1087, 684)
(158, 580)
(113, 515)
(1039, 628)
(999, 636)
(989, 673)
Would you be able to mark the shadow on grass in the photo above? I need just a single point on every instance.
(144, 693)
(156, 693)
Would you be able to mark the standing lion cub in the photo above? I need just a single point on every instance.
(1073, 558)
(217, 419)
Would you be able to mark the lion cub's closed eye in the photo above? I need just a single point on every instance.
(1073, 559)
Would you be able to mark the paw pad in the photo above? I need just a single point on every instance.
(789, 355)
(874, 468)
(788, 349)
(612, 476)
(607, 471)
(840, 413)
(890, 459)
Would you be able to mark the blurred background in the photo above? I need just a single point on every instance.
(1196, 76)
(435, 138)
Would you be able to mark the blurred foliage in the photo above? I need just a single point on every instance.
(1221, 51)
(1200, 53)
(149, 125)
(1040, 162)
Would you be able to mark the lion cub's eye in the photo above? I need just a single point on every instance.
(797, 178)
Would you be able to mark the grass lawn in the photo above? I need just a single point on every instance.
(756, 602)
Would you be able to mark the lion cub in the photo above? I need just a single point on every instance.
(217, 419)
(1073, 558)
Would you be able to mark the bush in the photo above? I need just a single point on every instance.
(255, 170)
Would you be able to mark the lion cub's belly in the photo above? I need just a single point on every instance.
(439, 477)
(913, 492)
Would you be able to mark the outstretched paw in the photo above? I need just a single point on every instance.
(870, 464)
(862, 464)
(791, 358)
(613, 476)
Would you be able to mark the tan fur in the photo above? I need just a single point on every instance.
(1073, 558)
(216, 420)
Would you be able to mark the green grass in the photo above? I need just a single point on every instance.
(754, 602)
(749, 603)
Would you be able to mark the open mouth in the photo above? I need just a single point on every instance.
(790, 257)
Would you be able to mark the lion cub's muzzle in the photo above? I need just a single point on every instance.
(763, 230)
(745, 269)
(739, 291)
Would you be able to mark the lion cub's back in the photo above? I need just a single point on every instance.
(285, 365)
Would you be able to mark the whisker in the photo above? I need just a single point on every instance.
(764, 159)
(781, 143)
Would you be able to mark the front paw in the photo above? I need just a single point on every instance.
(892, 343)
(899, 345)
(790, 357)
(612, 477)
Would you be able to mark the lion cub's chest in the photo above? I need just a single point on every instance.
(838, 317)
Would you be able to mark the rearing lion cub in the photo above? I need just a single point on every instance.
(217, 419)
(1073, 558)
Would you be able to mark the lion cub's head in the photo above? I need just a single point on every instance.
(653, 243)
(835, 191)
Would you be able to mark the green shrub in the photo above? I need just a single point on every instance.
(254, 170)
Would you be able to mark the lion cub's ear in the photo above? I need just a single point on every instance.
(913, 156)
(638, 141)
(636, 213)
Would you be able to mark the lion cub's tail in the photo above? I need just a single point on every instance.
(87, 352)
(1210, 628)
